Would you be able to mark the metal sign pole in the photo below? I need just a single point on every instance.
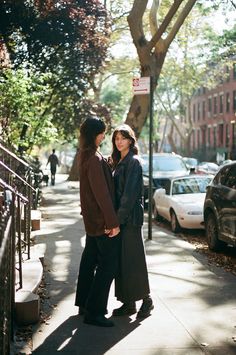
(150, 187)
(144, 86)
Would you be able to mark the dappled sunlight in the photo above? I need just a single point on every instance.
(62, 247)
(189, 297)
(82, 241)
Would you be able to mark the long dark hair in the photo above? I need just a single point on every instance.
(128, 133)
(89, 130)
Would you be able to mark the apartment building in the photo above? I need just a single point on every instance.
(213, 114)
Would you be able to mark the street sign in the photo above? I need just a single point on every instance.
(141, 86)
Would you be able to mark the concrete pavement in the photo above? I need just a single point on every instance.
(195, 304)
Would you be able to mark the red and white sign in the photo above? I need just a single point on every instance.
(141, 86)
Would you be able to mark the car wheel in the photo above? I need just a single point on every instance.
(175, 227)
(212, 233)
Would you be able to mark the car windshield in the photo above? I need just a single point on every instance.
(190, 185)
(191, 161)
(165, 163)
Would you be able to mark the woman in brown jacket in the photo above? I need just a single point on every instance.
(99, 261)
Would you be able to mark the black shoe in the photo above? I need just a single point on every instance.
(126, 309)
(100, 321)
(81, 311)
(146, 308)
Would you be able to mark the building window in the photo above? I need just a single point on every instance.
(221, 134)
(221, 103)
(209, 105)
(209, 136)
(215, 105)
(234, 100)
(214, 137)
(198, 111)
(198, 138)
(203, 130)
(194, 112)
(203, 109)
(193, 135)
(227, 135)
(233, 134)
(227, 102)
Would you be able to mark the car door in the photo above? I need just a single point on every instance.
(228, 206)
(164, 201)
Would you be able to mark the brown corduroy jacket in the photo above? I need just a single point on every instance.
(97, 196)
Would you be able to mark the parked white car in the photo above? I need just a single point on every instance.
(165, 165)
(181, 201)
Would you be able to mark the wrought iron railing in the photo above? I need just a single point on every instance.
(16, 200)
(10, 240)
(18, 174)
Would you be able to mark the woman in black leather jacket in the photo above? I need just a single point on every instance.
(132, 282)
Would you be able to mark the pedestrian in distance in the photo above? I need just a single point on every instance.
(132, 282)
(99, 261)
(54, 162)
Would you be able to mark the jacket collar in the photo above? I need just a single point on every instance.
(127, 157)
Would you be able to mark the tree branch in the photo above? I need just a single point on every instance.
(135, 22)
(117, 73)
(233, 4)
(165, 23)
(180, 20)
(170, 116)
(153, 16)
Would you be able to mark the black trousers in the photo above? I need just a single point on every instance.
(98, 268)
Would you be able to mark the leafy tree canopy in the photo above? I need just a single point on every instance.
(66, 40)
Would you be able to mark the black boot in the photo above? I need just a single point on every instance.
(126, 309)
(98, 320)
(146, 308)
(81, 311)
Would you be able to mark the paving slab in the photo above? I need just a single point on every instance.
(195, 304)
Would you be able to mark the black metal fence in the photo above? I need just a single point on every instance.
(7, 236)
(16, 200)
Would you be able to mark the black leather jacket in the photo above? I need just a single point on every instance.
(128, 180)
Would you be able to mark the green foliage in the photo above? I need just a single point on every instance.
(23, 101)
(186, 68)
(117, 95)
(116, 92)
(63, 42)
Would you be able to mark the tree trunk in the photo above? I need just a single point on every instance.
(74, 171)
(139, 107)
(171, 140)
(152, 53)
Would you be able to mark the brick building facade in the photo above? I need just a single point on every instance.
(213, 114)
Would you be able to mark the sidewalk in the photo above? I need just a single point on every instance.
(195, 305)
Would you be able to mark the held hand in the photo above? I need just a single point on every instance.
(114, 232)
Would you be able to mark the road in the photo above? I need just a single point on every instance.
(225, 259)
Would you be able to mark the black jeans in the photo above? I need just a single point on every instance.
(98, 267)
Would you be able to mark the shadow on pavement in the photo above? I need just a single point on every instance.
(75, 337)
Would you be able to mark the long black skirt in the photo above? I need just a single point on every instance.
(131, 283)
